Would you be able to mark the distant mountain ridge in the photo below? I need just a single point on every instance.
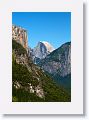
(58, 64)
(58, 61)
(42, 49)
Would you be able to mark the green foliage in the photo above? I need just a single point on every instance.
(54, 93)
(18, 47)
(20, 95)
(13, 56)
(14, 99)
(64, 81)
(21, 74)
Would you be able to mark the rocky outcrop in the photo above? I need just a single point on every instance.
(20, 35)
(40, 51)
(58, 65)
(59, 61)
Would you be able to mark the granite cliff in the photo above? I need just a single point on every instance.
(42, 49)
(58, 64)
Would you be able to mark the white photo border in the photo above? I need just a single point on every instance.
(76, 104)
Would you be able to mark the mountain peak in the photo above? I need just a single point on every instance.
(58, 61)
(42, 49)
(48, 46)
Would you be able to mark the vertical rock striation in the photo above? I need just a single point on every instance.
(19, 35)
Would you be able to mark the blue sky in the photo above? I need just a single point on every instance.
(53, 27)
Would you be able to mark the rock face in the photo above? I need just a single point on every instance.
(58, 64)
(41, 51)
(20, 35)
(59, 61)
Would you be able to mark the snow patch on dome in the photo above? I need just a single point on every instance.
(49, 47)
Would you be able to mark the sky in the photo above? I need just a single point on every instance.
(53, 27)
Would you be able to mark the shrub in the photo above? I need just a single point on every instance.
(18, 47)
